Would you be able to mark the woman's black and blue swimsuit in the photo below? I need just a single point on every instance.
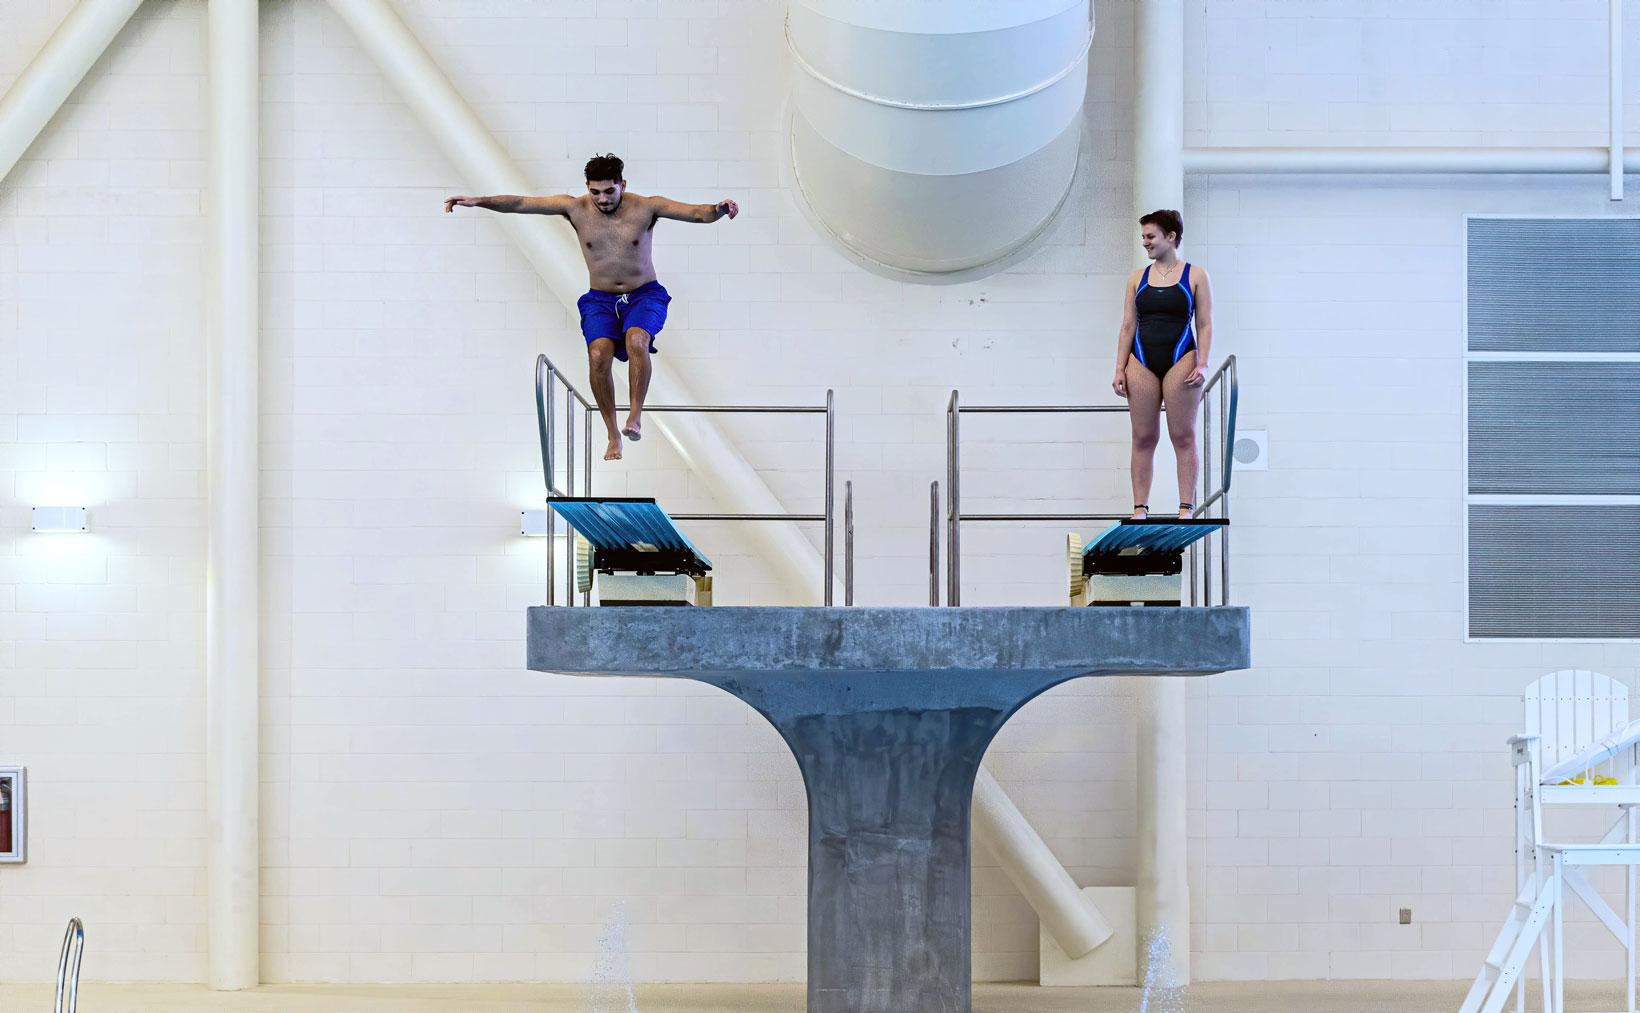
(1165, 327)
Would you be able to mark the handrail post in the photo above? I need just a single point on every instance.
(848, 542)
(1227, 421)
(1206, 454)
(569, 488)
(934, 544)
(544, 407)
(953, 534)
(831, 498)
(543, 398)
(586, 464)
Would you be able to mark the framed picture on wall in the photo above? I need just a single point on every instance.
(13, 815)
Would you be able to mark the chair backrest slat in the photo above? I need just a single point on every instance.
(1570, 709)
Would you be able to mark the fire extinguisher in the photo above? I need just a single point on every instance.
(5, 817)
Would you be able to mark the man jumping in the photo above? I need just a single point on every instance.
(626, 306)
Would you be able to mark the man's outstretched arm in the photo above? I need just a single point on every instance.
(677, 211)
(557, 204)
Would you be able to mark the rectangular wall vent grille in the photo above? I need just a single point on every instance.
(1552, 426)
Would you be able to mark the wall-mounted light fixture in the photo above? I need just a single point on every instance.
(533, 523)
(59, 519)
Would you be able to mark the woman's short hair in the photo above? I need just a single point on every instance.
(1167, 221)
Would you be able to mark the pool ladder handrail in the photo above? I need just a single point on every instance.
(68, 970)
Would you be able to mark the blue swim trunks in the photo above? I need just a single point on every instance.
(609, 314)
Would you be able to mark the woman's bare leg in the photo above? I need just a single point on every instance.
(1144, 412)
(1183, 405)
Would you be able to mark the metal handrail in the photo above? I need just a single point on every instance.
(68, 973)
(745, 409)
(848, 543)
(934, 544)
(547, 376)
(1226, 410)
(1044, 517)
(1042, 409)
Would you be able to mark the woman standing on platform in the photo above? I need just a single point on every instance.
(1161, 356)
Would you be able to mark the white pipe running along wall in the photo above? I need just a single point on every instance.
(232, 605)
(1615, 160)
(1431, 160)
(934, 141)
(551, 248)
(1075, 924)
(55, 72)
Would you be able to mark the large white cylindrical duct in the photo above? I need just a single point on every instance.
(935, 141)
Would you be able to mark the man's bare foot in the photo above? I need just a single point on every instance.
(613, 453)
(633, 430)
(1140, 512)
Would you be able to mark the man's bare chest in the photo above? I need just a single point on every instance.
(613, 236)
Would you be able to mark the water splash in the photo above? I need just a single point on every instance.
(612, 975)
(1161, 992)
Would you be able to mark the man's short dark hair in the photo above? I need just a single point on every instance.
(605, 167)
(1167, 221)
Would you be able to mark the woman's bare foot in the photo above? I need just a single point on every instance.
(1141, 512)
(613, 453)
(633, 430)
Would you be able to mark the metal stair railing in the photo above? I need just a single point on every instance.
(68, 968)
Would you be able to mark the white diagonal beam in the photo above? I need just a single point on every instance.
(1070, 918)
(53, 74)
(551, 248)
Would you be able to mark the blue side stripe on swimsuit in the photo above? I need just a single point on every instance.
(1189, 334)
(1184, 343)
(1138, 346)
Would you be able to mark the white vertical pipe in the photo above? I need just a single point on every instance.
(1163, 896)
(53, 74)
(1065, 910)
(231, 581)
(551, 248)
(1615, 168)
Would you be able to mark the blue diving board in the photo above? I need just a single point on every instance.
(1145, 547)
(1151, 535)
(630, 533)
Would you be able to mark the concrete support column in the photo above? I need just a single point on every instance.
(1163, 896)
(232, 606)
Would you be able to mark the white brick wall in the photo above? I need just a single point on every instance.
(100, 389)
(434, 812)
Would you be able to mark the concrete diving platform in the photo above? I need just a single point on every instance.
(888, 712)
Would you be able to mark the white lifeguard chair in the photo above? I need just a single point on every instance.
(1579, 749)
